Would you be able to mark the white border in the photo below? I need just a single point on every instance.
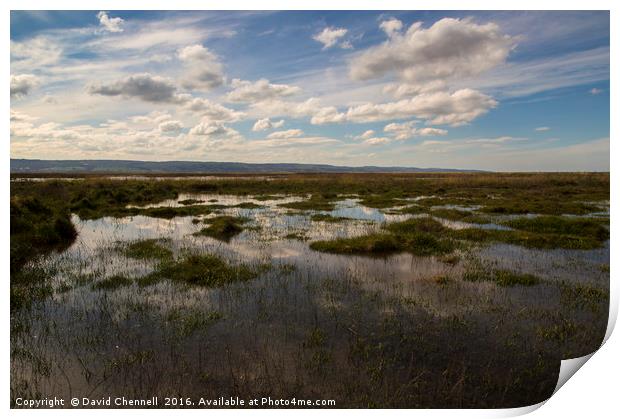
(593, 392)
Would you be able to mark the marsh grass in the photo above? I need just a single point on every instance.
(426, 236)
(248, 205)
(296, 236)
(413, 209)
(503, 278)
(451, 259)
(538, 205)
(459, 215)
(397, 331)
(203, 270)
(146, 249)
(583, 296)
(388, 200)
(417, 236)
(579, 227)
(28, 285)
(222, 227)
(328, 218)
(378, 243)
(187, 322)
(527, 239)
(37, 227)
(191, 201)
(112, 283)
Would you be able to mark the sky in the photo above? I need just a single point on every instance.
(506, 91)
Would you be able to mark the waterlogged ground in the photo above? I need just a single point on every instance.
(382, 330)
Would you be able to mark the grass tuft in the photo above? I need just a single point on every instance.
(147, 249)
(223, 227)
(501, 277)
(328, 218)
(112, 283)
(203, 270)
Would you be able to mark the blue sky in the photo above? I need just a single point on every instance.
(477, 90)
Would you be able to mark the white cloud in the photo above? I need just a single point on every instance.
(163, 35)
(170, 126)
(327, 115)
(290, 133)
(291, 142)
(523, 78)
(449, 49)
(391, 27)
(402, 90)
(595, 91)
(203, 69)
(213, 111)
(251, 92)
(152, 118)
(408, 130)
(309, 108)
(17, 116)
(429, 131)
(440, 108)
(542, 129)
(215, 130)
(496, 140)
(377, 141)
(329, 36)
(160, 58)
(22, 84)
(457, 145)
(38, 52)
(142, 86)
(109, 24)
(50, 99)
(265, 124)
(365, 135)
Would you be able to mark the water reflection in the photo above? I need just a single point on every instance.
(152, 340)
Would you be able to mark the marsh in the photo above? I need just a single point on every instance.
(407, 290)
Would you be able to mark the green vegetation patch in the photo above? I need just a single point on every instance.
(501, 277)
(296, 236)
(579, 227)
(413, 209)
(223, 227)
(459, 215)
(248, 205)
(147, 249)
(537, 205)
(379, 243)
(584, 296)
(112, 283)
(202, 270)
(328, 218)
(38, 227)
(417, 236)
(417, 225)
(383, 201)
(191, 201)
(29, 285)
(267, 197)
(187, 322)
(527, 239)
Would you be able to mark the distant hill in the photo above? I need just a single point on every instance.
(131, 166)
